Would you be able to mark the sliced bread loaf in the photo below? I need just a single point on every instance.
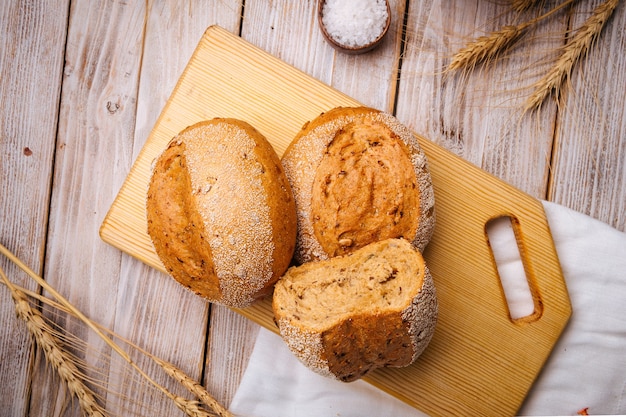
(349, 315)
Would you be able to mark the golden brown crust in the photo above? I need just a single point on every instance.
(173, 218)
(358, 176)
(221, 213)
(364, 190)
(349, 315)
(357, 346)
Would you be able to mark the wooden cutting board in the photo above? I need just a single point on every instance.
(480, 361)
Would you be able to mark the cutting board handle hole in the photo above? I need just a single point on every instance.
(506, 250)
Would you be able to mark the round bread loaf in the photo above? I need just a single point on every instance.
(358, 176)
(348, 315)
(220, 212)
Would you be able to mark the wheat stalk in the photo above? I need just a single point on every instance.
(170, 369)
(557, 79)
(58, 358)
(190, 408)
(487, 48)
(193, 387)
(523, 5)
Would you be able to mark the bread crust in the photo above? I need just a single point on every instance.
(220, 211)
(346, 345)
(358, 176)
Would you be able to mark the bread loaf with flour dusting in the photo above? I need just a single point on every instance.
(358, 176)
(351, 314)
(220, 212)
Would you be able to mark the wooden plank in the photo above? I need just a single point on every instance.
(589, 161)
(229, 76)
(148, 36)
(31, 60)
(289, 31)
(478, 115)
(105, 60)
(173, 31)
(231, 340)
(96, 121)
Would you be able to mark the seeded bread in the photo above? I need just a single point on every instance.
(358, 176)
(221, 213)
(349, 315)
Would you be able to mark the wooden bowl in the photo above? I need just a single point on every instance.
(352, 49)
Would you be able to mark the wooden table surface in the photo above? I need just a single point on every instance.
(82, 84)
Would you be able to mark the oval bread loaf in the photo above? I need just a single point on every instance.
(358, 176)
(349, 315)
(220, 212)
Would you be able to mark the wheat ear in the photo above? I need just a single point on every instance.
(193, 387)
(523, 5)
(189, 407)
(487, 48)
(170, 369)
(557, 79)
(58, 358)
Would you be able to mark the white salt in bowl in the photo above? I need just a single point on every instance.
(366, 31)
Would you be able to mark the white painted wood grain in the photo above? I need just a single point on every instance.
(230, 344)
(477, 114)
(589, 161)
(31, 59)
(96, 121)
(110, 46)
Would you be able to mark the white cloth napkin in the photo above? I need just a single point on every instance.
(587, 369)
